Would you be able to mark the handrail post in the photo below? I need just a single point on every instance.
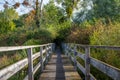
(51, 50)
(87, 63)
(66, 49)
(46, 54)
(53, 47)
(30, 64)
(75, 61)
(41, 58)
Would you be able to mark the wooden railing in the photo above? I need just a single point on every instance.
(72, 52)
(9, 71)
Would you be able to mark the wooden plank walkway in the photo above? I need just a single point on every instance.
(59, 68)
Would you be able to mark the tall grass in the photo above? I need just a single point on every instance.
(98, 34)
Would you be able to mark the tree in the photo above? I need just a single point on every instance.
(52, 14)
(107, 9)
(83, 12)
(97, 9)
(68, 6)
(6, 20)
(35, 5)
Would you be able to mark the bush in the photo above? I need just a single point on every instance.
(79, 35)
(32, 42)
(106, 34)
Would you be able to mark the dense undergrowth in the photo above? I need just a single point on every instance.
(97, 26)
(99, 34)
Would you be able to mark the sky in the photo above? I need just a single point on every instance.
(21, 10)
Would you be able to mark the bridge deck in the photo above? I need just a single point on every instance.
(59, 68)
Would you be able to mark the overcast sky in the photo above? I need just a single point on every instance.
(21, 9)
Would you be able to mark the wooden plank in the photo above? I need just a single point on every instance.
(72, 58)
(111, 71)
(81, 67)
(100, 46)
(41, 58)
(30, 65)
(12, 69)
(59, 68)
(83, 71)
(75, 60)
(12, 48)
(35, 68)
(87, 63)
(92, 77)
(81, 55)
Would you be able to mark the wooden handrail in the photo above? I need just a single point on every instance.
(96, 46)
(13, 48)
(109, 70)
(9, 71)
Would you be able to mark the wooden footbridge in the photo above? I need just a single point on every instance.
(54, 65)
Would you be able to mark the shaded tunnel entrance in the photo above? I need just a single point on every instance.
(58, 42)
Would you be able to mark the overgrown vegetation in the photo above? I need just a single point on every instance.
(94, 22)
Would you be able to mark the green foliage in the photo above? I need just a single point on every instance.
(51, 14)
(32, 42)
(99, 9)
(106, 34)
(53, 30)
(83, 11)
(63, 30)
(6, 26)
(68, 6)
(6, 20)
(92, 26)
(10, 14)
(79, 35)
(107, 9)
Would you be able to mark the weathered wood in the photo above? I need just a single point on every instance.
(66, 50)
(72, 58)
(59, 68)
(75, 61)
(46, 47)
(13, 48)
(111, 71)
(87, 63)
(41, 58)
(92, 77)
(30, 65)
(12, 69)
(51, 51)
(81, 55)
(35, 68)
(101, 46)
(83, 71)
(81, 67)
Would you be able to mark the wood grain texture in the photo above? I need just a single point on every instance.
(59, 68)
(13, 48)
(14, 68)
(109, 70)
